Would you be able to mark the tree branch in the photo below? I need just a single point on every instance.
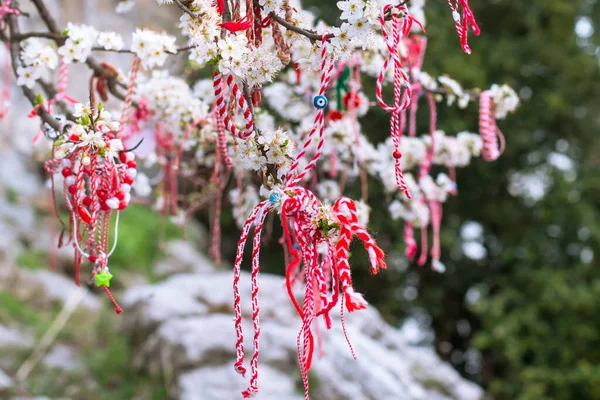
(98, 68)
(13, 26)
(186, 10)
(59, 39)
(313, 36)
(127, 51)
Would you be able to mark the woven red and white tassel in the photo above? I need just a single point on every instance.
(463, 23)
(320, 102)
(128, 104)
(219, 84)
(488, 130)
(401, 100)
(5, 92)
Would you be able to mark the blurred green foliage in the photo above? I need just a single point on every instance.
(537, 291)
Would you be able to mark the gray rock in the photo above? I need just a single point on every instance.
(5, 381)
(63, 357)
(11, 338)
(185, 324)
(181, 256)
(59, 287)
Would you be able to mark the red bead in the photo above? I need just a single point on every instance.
(73, 189)
(351, 100)
(84, 214)
(128, 180)
(66, 171)
(103, 206)
(122, 205)
(87, 201)
(397, 154)
(93, 259)
(123, 157)
(102, 194)
(131, 164)
(336, 115)
(110, 136)
(74, 138)
(120, 195)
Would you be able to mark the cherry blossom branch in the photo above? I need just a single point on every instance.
(127, 51)
(311, 35)
(186, 10)
(46, 35)
(13, 26)
(99, 69)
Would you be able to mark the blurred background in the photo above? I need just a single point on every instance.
(516, 312)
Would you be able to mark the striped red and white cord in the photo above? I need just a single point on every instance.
(401, 99)
(128, 104)
(327, 65)
(464, 22)
(219, 84)
(488, 130)
(63, 79)
(5, 92)
(252, 390)
(409, 239)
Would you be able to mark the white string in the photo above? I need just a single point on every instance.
(114, 246)
(83, 253)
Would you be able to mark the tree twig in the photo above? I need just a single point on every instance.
(46, 35)
(311, 35)
(186, 10)
(13, 26)
(57, 325)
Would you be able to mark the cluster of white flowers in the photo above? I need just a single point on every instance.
(454, 151)
(79, 43)
(202, 32)
(243, 202)
(152, 48)
(124, 6)
(439, 189)
(256, 65)
(287, 102)
(269, 6)
(84, 134)
(270, 148)
(328, 190)
(454, 91)
(261, 65)
(356, 11)
(37, 58)
(505, 99)
(415, 212)
(171, 100)
(110, 41)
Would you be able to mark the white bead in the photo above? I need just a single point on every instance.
(85, 161)
(127, 198)
(66, 162)
(456, 16)
(130, 156)
(60, 154)
(70, 180)
(113, 203)
(125, 187)
(132, 172)
(438, 266)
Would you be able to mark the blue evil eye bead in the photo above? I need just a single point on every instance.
(274, 198)
(320, 101)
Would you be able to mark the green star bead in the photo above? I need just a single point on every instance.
(103, 278)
